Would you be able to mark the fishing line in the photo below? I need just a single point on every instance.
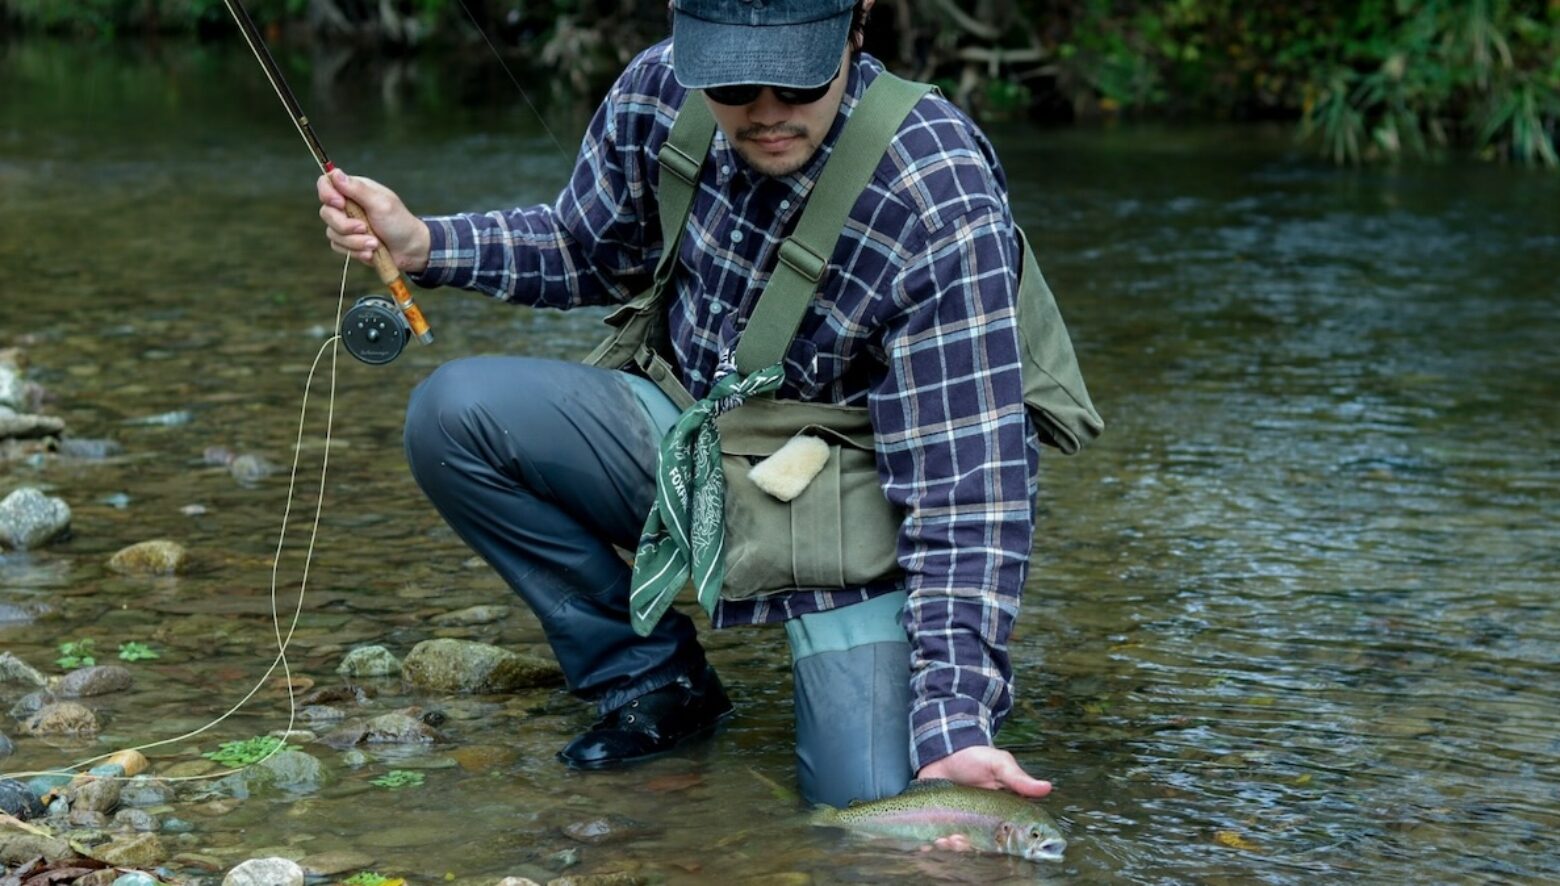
(333, 343)
(512, 78)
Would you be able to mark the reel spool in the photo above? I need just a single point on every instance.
(374, 330)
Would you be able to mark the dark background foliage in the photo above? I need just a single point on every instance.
(1365, 80)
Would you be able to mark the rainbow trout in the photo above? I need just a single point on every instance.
(994, 821)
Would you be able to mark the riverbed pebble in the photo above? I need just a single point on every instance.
(62, 718)
(97, 795)
(144, 791)
(369, 661)
(29, 519)
(18, 425)
(335, 861)
(14, 670)
(136, 820)
(155, 557)
(89, 450)
(448, 665)
(95, 680)
(472, 615)
(265, 872)
(17, 847)
(18, 800)
(132, 851)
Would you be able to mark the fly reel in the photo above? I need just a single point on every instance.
(374, 330)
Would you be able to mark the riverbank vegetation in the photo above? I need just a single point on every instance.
(1364, 80)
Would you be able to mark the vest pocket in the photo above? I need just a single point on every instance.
(840, 532)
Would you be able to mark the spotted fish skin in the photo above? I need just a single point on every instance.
(930, 809)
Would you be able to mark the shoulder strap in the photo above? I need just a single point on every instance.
(681, 158)
(804, 256)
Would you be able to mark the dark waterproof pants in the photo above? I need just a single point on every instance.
(545, 467)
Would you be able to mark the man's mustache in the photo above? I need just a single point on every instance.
(784, 129)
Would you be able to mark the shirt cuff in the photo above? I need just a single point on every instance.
(442, 263)
(940, 728)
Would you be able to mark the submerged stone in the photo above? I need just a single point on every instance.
(133, 851)
(265, 872)
(14, 670)
(156, 557)
(448, 665)
(95, 680)
(62, 718)
(29, 519)
(369, 661)
(18, 800)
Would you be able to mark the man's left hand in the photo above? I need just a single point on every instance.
(983, 767)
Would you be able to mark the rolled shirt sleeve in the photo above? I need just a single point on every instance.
(954, 452)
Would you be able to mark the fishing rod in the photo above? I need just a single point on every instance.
(375, 329)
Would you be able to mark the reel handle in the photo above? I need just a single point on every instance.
(390, 275)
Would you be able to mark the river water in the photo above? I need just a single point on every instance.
(1292, 620)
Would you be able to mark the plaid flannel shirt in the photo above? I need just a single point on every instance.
(915, 319)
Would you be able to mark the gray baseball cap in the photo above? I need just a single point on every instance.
(794, 43)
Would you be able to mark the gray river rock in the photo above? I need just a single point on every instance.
(95, 680)
(369, 661)
(265, 872)
(14, 670)
(21, 425)
(30, 519)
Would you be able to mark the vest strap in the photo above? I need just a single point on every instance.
(804, 256)
(681, 158)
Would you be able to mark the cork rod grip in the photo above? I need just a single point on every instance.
(390, 275)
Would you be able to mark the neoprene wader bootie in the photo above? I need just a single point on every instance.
(652, 724)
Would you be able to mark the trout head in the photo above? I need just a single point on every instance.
(1031, 840)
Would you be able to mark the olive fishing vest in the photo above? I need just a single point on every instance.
(840, 531)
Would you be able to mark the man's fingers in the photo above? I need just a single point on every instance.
(328, 194)
(1012, 776)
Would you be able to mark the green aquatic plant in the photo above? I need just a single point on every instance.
(369, 878)
(133, 651)
(76, 654)
(250, 750)
(396, 779)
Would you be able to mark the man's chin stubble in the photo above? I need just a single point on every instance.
(770, 168)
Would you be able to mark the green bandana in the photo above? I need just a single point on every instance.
(686, 530)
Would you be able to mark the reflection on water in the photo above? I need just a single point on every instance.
(1292, 619)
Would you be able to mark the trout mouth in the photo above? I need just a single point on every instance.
(1047, 850)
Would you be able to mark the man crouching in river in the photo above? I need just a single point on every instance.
(543, 467)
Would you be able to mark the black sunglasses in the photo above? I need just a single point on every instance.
(747, 93)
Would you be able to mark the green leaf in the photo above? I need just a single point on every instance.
(250, 750)
(396, 779)
(133, 651)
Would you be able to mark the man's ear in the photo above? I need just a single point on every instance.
(859, 38)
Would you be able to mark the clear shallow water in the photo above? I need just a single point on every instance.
(1292, 619)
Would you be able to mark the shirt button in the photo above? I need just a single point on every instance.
(736, 236)
(725, 170)
(785, 204)
(716, 307)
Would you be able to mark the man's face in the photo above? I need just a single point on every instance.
(776, 138)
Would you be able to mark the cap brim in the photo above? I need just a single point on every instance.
(800, 56)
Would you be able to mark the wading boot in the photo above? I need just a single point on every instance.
(652, 724)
